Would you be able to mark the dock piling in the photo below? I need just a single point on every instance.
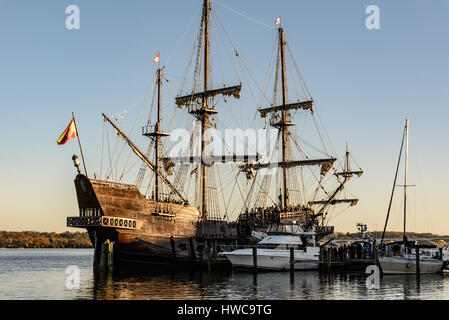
(106, 259)
(255, 259)
(292, 259)
(418, 267)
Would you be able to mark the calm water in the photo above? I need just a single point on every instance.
(40, 274)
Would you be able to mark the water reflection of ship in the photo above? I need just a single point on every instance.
(194, 285)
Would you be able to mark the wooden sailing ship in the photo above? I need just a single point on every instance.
(166, 228)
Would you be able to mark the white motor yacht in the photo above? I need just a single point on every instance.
(273, 251)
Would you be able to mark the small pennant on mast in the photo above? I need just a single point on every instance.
(278, 21)
(156, 59)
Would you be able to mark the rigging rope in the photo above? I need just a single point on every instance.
(245, 16)
(182, 37)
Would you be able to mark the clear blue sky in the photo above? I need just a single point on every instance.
(365, 83)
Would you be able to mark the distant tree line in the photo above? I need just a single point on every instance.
(32, 239)
(388, 234)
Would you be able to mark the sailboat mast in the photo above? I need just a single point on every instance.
(205, 116)
(405, 175)
(157, 136)
(283, 125)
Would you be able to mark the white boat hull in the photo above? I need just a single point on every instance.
(407, 265)
(272, 259)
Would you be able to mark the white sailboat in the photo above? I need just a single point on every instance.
(400, 257)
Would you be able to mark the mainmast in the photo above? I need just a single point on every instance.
(283, 126)
(199, 105)
(205, 115)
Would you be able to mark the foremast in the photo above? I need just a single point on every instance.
(145, 159)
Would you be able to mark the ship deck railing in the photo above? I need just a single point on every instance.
(117, 185)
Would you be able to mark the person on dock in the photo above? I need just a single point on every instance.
(340, 253)
(358, 251)
(335, 253)
(351, 252)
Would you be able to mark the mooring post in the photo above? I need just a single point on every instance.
(418, 271)
(441, 253)
(329, 258)
(97, 251)
(292, 265)
(111, 255)
(255, 259)
(106, 260)
(292, 259)
(102, 256)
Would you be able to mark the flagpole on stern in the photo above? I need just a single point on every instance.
(79, 143)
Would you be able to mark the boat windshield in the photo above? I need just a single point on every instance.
(278, 228)
(280, 246)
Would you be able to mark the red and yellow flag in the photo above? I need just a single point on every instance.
(69, 133)
(156, 59)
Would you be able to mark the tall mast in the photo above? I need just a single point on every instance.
(157, 136)
(198, 104)
(205, 115)
(405, 175)
(283, 124)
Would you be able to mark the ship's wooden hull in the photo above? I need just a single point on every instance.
(163, 234)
